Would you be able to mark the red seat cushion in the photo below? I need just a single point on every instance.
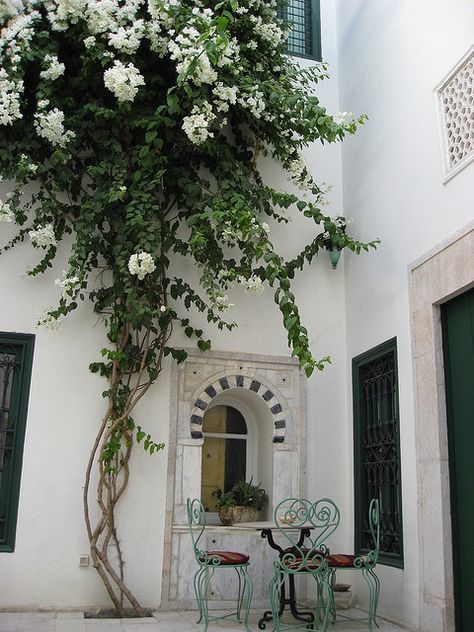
(226, 557)
(341, 560)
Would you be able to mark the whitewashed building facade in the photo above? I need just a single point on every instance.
(407, 178)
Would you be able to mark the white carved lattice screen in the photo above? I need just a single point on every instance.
(456, 107)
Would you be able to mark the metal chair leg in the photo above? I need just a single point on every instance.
(208, 574)
(247, 587)
(376, 595)
(197, 590)
(323, 605)
(275, 587)
(368, 575)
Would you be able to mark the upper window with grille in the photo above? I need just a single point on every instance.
(303, 17)
(377, 450)
(16, 355)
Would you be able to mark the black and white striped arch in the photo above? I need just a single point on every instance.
(238, 381)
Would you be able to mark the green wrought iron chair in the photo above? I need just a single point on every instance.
(304, 526)
(210, 561)
(364, 564)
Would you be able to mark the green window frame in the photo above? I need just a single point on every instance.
(16, 359)
(304, 39)
(377, 465)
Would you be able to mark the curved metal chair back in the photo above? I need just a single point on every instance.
(364, 563)
(197, 524)
(374, 525)
(210, 561)
(305, 526)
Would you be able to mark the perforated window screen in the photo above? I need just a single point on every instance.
(304, 39)
(377, 467)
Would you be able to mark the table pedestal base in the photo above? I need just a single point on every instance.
(307, 617)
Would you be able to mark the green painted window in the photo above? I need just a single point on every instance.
(377, 472)
(305, 35)
(16, 356)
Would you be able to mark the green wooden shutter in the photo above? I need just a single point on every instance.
(16, 356)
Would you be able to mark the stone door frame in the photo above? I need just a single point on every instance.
(440, 275)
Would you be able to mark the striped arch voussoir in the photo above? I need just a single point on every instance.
(238, 381)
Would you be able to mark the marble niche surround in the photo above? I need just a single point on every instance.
(273, 390)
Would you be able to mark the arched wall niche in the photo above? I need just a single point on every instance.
(234, 384)
(270, 392)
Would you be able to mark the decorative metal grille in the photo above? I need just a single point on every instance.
(7, 430)
(377, 450)
(304, 37)
(456, 104)
(298, 16)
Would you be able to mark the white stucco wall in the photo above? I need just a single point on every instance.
(65, 406)
(391, 57)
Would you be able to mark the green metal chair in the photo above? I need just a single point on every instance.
(364, 564)
(304, 526)
(210, 561)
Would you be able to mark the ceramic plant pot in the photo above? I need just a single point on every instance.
(232, 515)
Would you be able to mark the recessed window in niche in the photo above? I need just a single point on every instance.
(224, 452)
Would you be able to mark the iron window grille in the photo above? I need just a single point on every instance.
(377, 450)
(304, 17)
(16, 356)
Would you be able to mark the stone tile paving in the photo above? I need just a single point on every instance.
(162, 621)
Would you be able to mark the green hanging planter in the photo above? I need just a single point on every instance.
(334, 255)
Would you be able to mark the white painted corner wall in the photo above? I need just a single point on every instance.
(65, 406)
(392, 56)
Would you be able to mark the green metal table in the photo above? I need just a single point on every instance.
(266, 528)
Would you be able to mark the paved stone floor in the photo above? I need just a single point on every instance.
(161, 622)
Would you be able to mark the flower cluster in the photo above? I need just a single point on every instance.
(252, 284)
(43, 236)
(196, 125)
(6, 214)
(54, 68)
(10, 93)
(344, 117)
(50, 125)
(141, 264)
(67, 284)
(123, 81)
(220, 301)
(225, 95)
(268, 31)
(48, 320)
(299, 172)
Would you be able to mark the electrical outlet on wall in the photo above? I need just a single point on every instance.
(83, 560)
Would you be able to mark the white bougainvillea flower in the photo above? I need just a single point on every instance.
(6, 214)
(50, 125)
(67, 284)
(48, 321)
(123, 81)
(43, 236)
(252, 285)
(141, 264)
(196, 125)
(54, 68)
(10, 92)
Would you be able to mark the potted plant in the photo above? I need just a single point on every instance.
(334, 242)
(240, 504)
